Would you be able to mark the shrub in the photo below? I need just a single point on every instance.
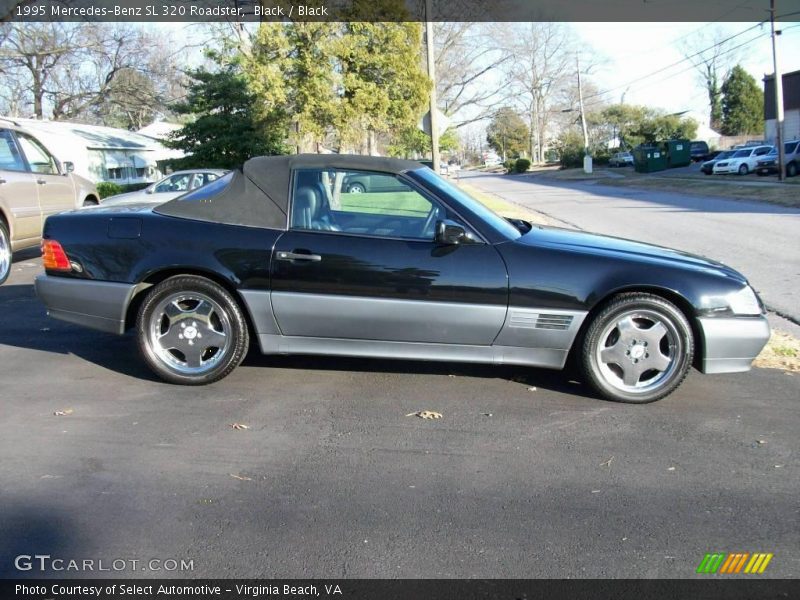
(106, 189)
(509, 165)
(522, 165)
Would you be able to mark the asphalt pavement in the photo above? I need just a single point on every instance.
(525, 475)
(761, 240)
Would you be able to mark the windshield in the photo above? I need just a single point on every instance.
(726, 154)
(434, 182)
(742, 153)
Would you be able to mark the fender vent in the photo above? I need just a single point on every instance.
(535, 320)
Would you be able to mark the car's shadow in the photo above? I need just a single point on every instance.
(25, 324)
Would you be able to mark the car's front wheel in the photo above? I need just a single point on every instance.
(791, 169)
(638, 349)
(191, 331)
(5, 253)
(743, 170)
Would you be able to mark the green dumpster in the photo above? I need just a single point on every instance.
(650, 158)
(679, 153)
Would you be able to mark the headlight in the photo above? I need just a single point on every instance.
(743, 302)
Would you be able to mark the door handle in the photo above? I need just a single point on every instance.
(298, 256)
(41, 181)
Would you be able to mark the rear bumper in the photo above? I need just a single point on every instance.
(731, 344)
(96, 304)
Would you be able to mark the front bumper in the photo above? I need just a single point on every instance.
(731, 344)
(96, 304)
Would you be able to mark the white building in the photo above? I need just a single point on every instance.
(791, 106)
(103, 153)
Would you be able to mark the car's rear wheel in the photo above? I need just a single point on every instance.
(638, 349)
(743, 170)
(791, 169)
(356, 188)
(5, 252)
(191, 331)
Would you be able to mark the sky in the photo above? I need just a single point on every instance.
(629, 52)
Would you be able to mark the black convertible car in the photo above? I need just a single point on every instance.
(283, 252)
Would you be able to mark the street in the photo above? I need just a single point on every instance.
(525, 475)
(761, 240)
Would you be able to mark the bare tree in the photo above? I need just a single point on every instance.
(543, 60)
(77, 70)
(713, 54)
(467, 59)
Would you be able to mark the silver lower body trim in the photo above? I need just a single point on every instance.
(731, 344)
(539, 357)
(99, 305)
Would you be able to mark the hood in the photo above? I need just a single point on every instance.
(601, 245)
(141, 196)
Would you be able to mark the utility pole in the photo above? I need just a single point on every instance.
(587, 160)
(432, 76)
(778, 96)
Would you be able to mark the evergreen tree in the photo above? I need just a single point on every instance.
(226, 128)
(742, 104)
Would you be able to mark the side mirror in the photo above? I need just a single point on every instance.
(69, 166)
(149, 190)
(449, 232)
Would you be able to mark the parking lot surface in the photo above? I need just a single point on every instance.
(525, 475)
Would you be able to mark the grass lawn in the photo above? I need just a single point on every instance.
(407, 204)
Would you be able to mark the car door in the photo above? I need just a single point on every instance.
(56, 192)
(19, 198)
(366, 266)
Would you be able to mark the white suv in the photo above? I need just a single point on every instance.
(33, 185)
(743, 161)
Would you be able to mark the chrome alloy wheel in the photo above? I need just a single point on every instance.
(5, 255)
(638, 351)
(189, 332)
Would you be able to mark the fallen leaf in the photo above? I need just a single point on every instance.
(63, 413)
(607, 463)
(761, 442)
(425, 414)
(778, 466)
(239, 426)
(240, 477)
(531, 389)
(670, 468)
(487, 414)
(595, 491)
(451, 375)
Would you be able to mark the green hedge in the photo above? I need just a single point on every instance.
(107, 188)
(522, 165)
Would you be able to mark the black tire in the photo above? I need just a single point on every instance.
(620, 331)
(743, 170)
(356, 188)
(6, 256)
(90, 201)
(791, 169)
(188, 298)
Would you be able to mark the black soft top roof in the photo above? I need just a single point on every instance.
(258, 195)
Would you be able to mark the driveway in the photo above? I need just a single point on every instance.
(757, 238)
(526, 475)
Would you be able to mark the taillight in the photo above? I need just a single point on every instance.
(54, 257)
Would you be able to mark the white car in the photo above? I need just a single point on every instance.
(743, 161)
(168, 188)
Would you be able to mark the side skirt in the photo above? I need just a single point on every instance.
(551, 358)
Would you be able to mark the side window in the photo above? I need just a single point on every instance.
(197, 181)
(40, 160)
(176, 183)
(363, 203)
(762, 151)
(10, 157)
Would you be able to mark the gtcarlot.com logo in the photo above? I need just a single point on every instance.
(45, 562)
(731, 564)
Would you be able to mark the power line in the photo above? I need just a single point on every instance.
(675, 64)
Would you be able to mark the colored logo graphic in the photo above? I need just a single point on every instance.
(743, 562)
